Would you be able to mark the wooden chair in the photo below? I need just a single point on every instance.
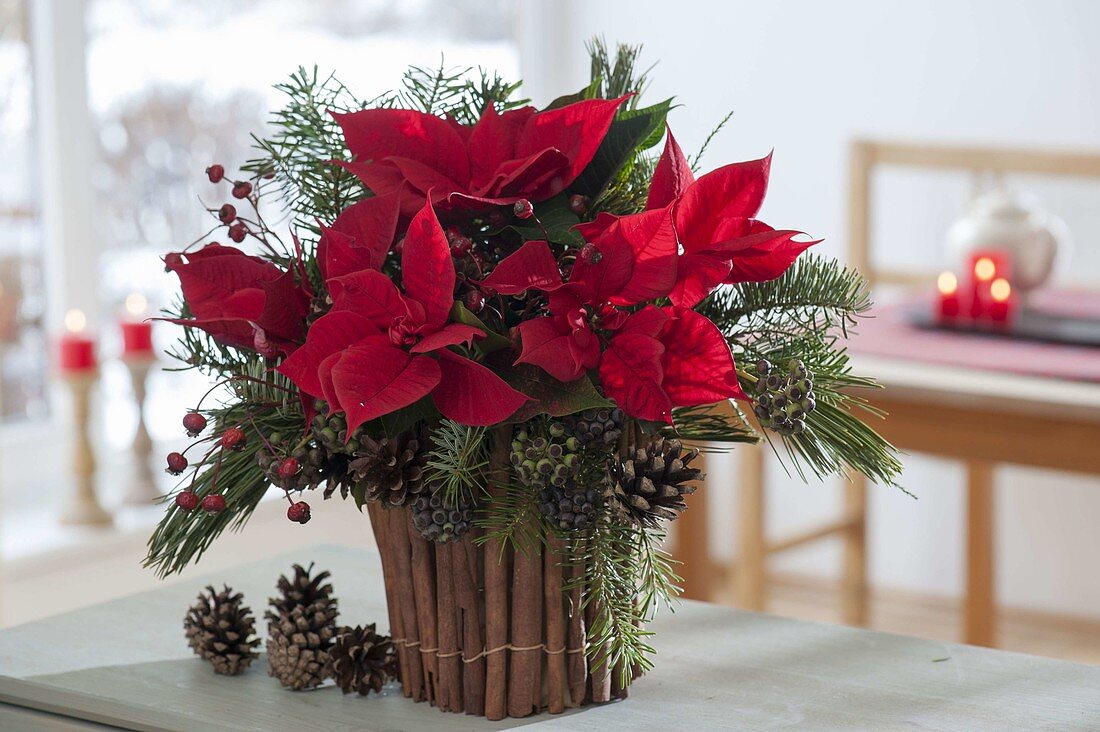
(692, 545)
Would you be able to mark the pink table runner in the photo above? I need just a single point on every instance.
(886, 332)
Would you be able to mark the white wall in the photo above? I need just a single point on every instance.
(804, 77)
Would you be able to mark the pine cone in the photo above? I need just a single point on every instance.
(221, 630)
(390, 471)
(301, 626)
(299, 643)
(302, 589)
(362, 660)
(650, 484)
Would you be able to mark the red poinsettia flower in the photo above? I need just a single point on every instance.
(633, 261)
(715, 221)
(380, 349)
(520, 153)
(668, 357)
(240, 300)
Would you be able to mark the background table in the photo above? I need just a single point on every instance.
(125, 663)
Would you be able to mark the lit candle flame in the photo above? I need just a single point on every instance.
(947, 283)
(1000, 290)
(136, 303)
(75, 320)
(985, 269)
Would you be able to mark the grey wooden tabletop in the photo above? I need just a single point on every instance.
(125, 663)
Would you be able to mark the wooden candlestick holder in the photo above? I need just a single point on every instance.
(143, 485)
(82, 507)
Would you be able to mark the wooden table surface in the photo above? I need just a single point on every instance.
(125, 663)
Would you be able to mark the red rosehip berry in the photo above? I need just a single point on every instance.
(242, 189)
(461, 246)
(214, 503)
(289, 468)
(187, 500)
(233, 438)
(523, 209)
(177, 463)
(237, 232)
(474, 300)
(591, 254)
(194, 423)
(299, 512)
(227, 213)
(215, 173)
(578, 204)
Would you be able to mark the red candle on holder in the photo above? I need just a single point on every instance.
(1002, 303)
(137, 333)
(76, 351)
(949, 306)
(986, 266)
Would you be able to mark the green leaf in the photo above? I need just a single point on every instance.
(632, 131)
(550, 396)
(589, 92)
(557, 223)
(394, 423)
(492, 341)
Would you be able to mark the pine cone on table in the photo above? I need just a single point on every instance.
(650, 483)
(221, 630)
(390, 470)
(301, 628)
(362, 660)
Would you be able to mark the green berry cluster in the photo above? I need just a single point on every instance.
(596, 426)
(783, 399)
(440, 520)
(544, 455)
(311, 461)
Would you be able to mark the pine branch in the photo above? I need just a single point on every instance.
(513, 519)
(458, 461)
(709, 425)
(614, 77)
(706, 143)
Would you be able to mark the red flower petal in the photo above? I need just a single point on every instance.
(732, 191)
(330, 334)
(373, 380)
(766, 256)
(672, 175)
(365, 234)
(374, 135)
(649, 321)
(473, 395)
(576, 130)
(451, 334)
(698, 365)
(369, 293)
(631, 374)
(698, 274)
(493, 142)
(531, 267)
(549, 348)
(427, 270)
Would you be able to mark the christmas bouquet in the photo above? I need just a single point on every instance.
(499, 330)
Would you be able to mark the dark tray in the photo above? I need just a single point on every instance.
(1029, 325)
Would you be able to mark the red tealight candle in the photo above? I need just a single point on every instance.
(76, 351)
(1002, 306)
(949, 305)
(985, 266)
(137, 334)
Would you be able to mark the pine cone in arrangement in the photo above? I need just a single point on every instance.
(389, 470)
(439, 519)
(220, 629)
(301, 627)
(651, 482)
(362, 660)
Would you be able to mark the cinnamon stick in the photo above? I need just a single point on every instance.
(464, 561)
(380, 526)
(449, 693)
(406, 601)
(496, 588)
(423, 574)
(555, 626)
(576, 658)
(525, 676)
(600, 674)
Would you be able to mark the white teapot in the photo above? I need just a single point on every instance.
(1003, 220)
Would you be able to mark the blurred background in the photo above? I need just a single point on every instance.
(111, 109)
